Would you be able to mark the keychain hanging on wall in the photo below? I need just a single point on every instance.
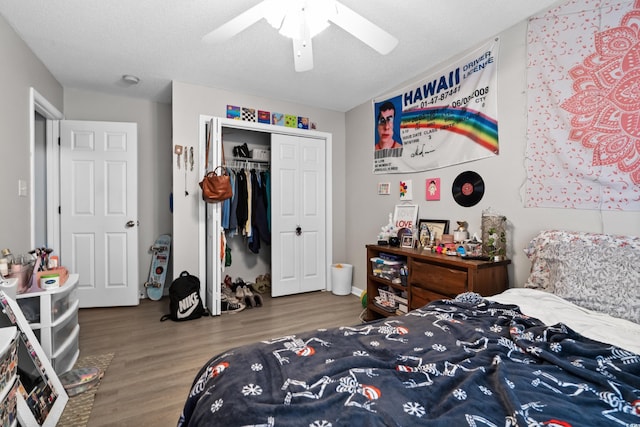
(186, 152)
(178, 151)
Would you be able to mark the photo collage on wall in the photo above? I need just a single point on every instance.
(267, 117)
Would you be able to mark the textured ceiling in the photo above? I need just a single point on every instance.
(90, 44)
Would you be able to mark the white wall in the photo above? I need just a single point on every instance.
(189, 102)
(504, 177)
(19, 71)
(154, 158)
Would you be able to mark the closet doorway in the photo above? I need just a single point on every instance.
(300, 252)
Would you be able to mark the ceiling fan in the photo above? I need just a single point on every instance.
(301, 20)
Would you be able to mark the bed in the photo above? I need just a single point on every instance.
(546, 354)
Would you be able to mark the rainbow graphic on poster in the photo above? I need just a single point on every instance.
(474, 125)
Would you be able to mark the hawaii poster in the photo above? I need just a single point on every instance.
(447, 118)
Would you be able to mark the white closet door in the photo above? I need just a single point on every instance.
(298, 219)
(210, 287)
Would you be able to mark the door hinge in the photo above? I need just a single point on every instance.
(59, 210)
(58, 141)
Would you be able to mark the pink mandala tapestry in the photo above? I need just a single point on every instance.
(583, 86)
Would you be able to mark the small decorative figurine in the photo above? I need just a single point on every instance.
(387, 231)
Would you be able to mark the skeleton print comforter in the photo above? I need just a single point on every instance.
(463, 362)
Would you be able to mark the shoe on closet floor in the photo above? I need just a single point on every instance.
(230, 306)
(256, 299)
(244, 294)
(239, 283)
(228, 281)
(263, 283)
(230, 296)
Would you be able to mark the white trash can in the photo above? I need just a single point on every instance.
(341, 277)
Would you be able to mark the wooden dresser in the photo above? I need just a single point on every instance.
(433, 276)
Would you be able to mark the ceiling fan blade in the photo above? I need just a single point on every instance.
(302, 55)
(236, 25)
(363, 29)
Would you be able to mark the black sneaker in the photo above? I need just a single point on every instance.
(228, 306)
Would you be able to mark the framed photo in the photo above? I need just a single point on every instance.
(435, 227)
(407, 241)
(424, 235)
(406, 190)
(432, 189)
(405, 216)
(384, 188)
(41, 397)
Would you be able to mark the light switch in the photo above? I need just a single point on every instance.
(23, 189)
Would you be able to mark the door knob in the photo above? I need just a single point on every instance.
(298, 230)
(130, 224)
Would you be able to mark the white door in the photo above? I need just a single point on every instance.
(99, 210)
(211, 128)
(298, 219)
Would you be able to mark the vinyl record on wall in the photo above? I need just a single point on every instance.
(468, 188)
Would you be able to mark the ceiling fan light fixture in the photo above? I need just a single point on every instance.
(299, 19)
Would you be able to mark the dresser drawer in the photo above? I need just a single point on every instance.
(421, 297)
(447, 281)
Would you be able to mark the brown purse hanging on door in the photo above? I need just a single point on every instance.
(215, 188)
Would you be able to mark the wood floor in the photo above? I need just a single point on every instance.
(155, 362)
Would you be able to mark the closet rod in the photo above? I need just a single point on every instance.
(247, 164)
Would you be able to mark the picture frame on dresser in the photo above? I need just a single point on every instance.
(438, 227)
(407, 241)
(41, 397)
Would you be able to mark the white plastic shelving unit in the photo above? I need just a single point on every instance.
(53, 317)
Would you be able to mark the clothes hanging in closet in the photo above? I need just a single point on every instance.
(259, 224)
(242, 208)
(247, 226)
(266, 187)
(226, 205)
(233, 218)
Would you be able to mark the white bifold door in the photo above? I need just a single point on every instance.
(298, 219)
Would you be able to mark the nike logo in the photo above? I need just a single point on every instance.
(187, 306)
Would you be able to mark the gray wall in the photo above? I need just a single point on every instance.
(504, 178)
(19, 71)
(154, 158)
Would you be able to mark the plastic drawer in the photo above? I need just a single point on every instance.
(386, 269)
(61, 302)
(57, 300)
(61, 332)
(30, 308)
(64, 359)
